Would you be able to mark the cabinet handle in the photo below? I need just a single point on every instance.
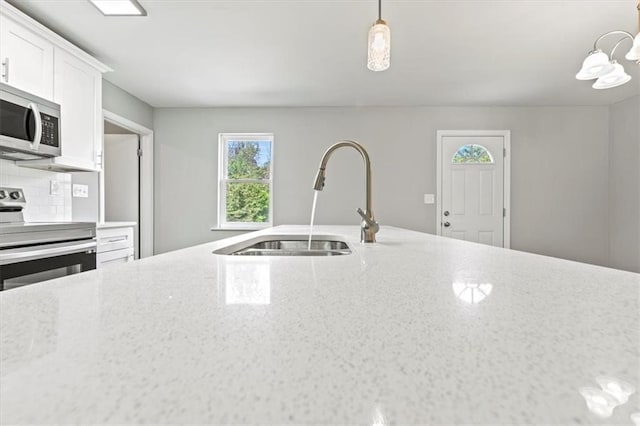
(5, 70)
(115, 240)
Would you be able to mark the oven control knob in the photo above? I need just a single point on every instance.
(3, 194)
(15, 195)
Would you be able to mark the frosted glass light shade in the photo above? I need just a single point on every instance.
(379, 49)
(634, 53)
(595, 65)
(615, 78)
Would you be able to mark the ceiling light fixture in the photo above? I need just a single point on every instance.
(605, 68)
(119, 7)
(379, 47)
(634, 53)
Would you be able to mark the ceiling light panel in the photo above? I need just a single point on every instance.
(119, 7)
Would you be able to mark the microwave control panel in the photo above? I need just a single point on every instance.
(50, 130)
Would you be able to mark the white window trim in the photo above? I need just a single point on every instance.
(222, 168)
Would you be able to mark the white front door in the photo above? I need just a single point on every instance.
(472, 205)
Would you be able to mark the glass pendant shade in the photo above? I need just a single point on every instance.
(615, 78)
(634, 53)
(379, 51)
(595, 65)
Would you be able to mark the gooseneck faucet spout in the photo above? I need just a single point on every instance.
(369, 226)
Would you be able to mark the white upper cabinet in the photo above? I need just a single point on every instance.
(27, 59)
(78, 90)
(38, 61)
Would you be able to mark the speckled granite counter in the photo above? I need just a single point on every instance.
(413, 329)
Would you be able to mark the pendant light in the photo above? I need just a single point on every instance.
(634, 52)
(608, 72)
(379, 47)
(604, 67)
(595, 65)
(617, 77)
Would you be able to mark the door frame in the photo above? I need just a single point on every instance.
(506, 135)
(146, 180)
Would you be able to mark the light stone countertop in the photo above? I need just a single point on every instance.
(413, 329)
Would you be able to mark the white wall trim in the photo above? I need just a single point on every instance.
(146, 180)
(506, 135)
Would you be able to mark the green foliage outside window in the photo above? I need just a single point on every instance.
(248, 202)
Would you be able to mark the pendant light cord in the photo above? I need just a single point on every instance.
(380, 9)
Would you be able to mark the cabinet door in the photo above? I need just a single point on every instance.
(78, 90)
(27, 59)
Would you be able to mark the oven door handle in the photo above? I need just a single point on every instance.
(25, 254)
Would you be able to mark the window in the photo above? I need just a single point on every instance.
(245, 178)
(470, 154)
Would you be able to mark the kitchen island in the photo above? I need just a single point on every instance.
(415, 328)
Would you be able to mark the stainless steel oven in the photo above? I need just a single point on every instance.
(32, 252)
(31, 264)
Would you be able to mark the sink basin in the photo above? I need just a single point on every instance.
(288, 245)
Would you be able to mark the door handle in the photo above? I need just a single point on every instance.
(447, 224)
(446, 213)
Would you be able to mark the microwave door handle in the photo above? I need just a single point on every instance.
(38, 135)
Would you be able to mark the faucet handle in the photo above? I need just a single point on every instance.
(370, 222)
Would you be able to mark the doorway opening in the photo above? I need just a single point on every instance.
(126, 180)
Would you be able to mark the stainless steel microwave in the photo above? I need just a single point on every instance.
(29, 125)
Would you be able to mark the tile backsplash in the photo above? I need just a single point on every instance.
(41, 205)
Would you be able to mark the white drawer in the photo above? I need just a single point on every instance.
(114, 257)
(110, 239)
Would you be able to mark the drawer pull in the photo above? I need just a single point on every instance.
(115, 240)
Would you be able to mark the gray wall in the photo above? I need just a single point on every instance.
(112, 129)
(624, 185)
(115, 100)
(559, 169)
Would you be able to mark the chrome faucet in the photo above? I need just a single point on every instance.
(369, 226)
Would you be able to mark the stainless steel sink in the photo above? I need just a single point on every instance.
(288, 245)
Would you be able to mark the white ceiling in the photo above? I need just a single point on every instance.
(201, 53)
